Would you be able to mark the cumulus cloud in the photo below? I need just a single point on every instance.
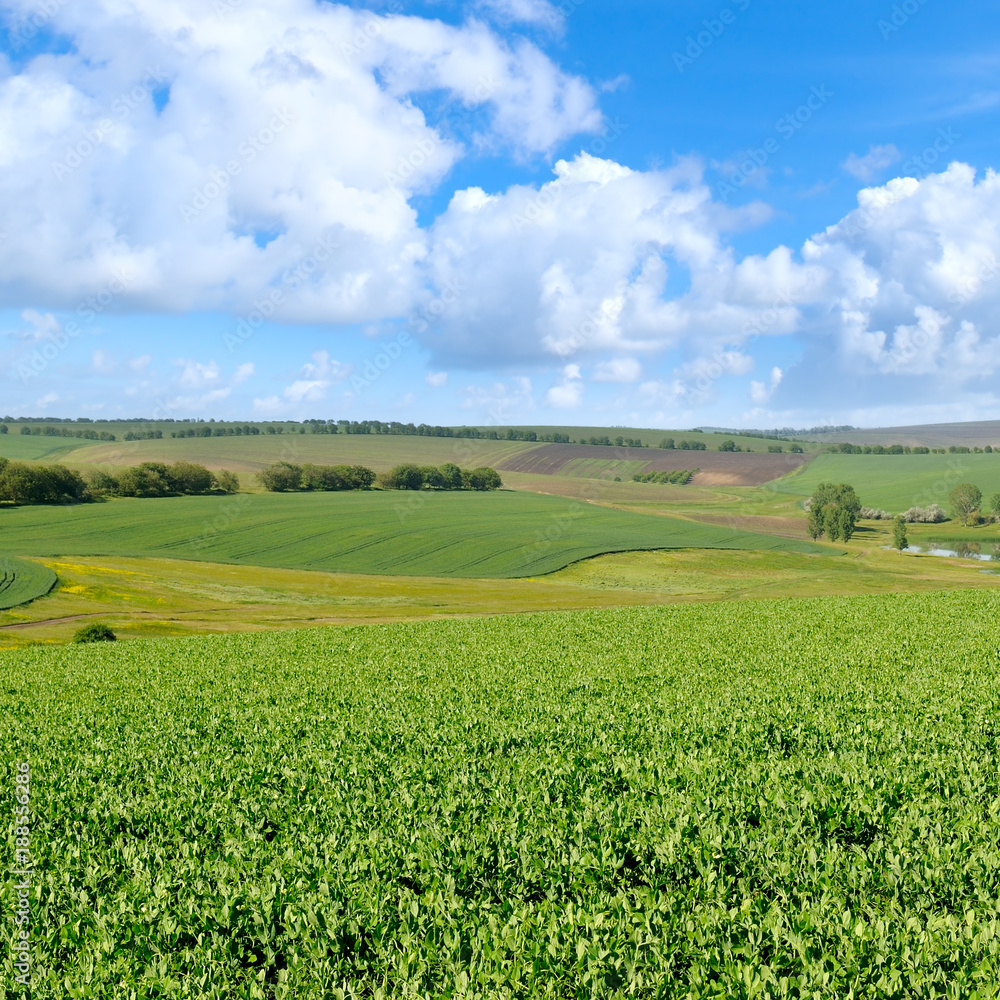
(869, 166)
(436, 379)
(534, 12)
(199, 385)
(284, 157)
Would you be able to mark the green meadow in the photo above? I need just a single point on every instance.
(22, 581)
(897, 482)
(503, 534)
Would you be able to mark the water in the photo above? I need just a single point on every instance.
(965, 550)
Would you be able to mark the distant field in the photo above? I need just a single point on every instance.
(504, 534)
(897, 482)
(972, 434)
(248, 454)
(34, 448)
(595, 462)
(22, 581)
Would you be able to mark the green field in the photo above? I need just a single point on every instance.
(22, 581)
(48, 449)
(503, 534)
(768, 799)
(248, 454)
(897, 482)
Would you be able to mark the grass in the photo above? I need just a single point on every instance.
(769, 799)
(33, 448)
(503, 534)
(896, 482)
(22, 581)
(143, 598)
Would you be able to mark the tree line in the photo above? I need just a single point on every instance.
(286, 477)
(25, 484)
(679, 477)
(446, 477)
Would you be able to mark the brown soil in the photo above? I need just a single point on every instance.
(717, 468)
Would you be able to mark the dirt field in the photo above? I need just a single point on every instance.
(598, 462)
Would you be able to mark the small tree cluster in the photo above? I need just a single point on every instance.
(874, 514)
(156, 479)
(447, 477)
(966, 499)
(679, 477)
(833, 511)
(40, 484)
(284, 477)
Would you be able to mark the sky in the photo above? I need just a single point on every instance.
(737, 213)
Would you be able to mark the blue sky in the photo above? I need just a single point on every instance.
(743, 213)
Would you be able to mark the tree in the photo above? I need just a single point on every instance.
(485, 479)
(995, 504)
(227, 482)
(453, 475)
(281, 477)
(966, 499)
(403, 477)
(187, 477)
(728, 445)
(899, 540)
(833, 510)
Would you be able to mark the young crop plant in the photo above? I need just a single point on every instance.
(774, 799)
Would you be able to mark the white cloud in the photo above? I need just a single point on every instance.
(761, 392)
(41, 326)
(202, 385)
(283, 160)
(436, 379)
(537, 12)
(569, 392)
(618, 370)
(47, 400)
(140, 363)
(869, 166)
(500, 402)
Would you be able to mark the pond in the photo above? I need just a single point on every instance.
(984, 552)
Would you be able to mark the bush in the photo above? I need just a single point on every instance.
(40, 484)
(924, 515)
(874, 514)
(95, 632)
(402, 477)
(227, 482)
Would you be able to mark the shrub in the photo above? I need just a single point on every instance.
(874, 514)
(924, 515)
(227, 482)
(95, 632)
(402, 477)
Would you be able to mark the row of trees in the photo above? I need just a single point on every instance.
(668, 444)
(286, 477)
(66, 432)
(679, 477)
(156, 479)
(447, 477)
(21, 483)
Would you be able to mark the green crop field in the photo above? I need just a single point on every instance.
(248, 454)
(22, 581)
(503, 534)
(897, 482)
(766, 799)
(45, 449)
